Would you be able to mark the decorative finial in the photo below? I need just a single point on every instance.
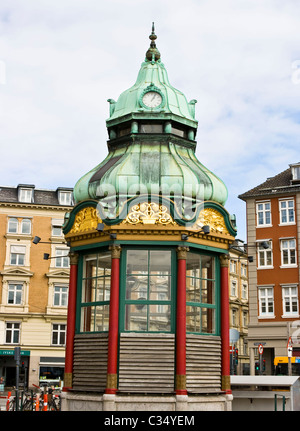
(153, 54)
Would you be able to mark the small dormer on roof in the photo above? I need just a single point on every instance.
(295, 169)
(26, 193)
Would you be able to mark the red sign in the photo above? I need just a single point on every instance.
(260, 349)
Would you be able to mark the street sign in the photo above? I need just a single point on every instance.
(290, 352)
(260, 349)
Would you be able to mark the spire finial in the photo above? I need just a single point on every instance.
(153, 54)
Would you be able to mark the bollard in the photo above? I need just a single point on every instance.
(7, 402)
(45, 408)
(37, 403)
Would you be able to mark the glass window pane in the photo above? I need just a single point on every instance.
(208, 320)
(88, 290)
(137, 262)
(159, 317)
(101, 318)
(13, 225)
(160, 284)
(193, 289)
(137, 288)
(160, 261)
(26, 226)
(193, 319)
(89, 268)
(136, 317)
(87, 319)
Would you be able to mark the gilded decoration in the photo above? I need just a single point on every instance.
(213, 219)
(149, 213)
(85, 220)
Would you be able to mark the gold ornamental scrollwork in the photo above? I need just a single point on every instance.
(213, 219)
(149, 213)
(85, 220)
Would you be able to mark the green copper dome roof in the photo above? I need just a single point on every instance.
(152, 76)
(151, 148)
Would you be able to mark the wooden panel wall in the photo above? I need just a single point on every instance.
(203, 363)
(90, 362)
(146, 363)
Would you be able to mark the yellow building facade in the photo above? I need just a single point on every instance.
(239, 307)
(33, 286)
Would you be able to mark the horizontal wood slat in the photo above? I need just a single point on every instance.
(90, 362)
(146, 363)
(203, 363)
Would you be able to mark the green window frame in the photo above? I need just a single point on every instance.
(202, 294)
(148, 290)
(94, 292)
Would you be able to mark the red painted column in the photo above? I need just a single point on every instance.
(113, 332)
(68, 377)
(225, 324)
(180, 381)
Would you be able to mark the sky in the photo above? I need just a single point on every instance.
(61, 60)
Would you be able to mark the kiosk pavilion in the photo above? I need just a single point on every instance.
(148, 313)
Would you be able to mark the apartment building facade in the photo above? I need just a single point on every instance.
(34, 280)
(239, 308)
(273, 220)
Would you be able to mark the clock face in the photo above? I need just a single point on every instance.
(152, 99)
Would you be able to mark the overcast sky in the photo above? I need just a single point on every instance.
(61, 60)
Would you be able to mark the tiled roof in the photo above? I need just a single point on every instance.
(280, 183)
(41, 196)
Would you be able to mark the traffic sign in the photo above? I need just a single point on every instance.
(260, 349)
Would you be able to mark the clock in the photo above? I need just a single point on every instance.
(152, 99)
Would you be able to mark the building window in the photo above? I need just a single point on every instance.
(60, 297)
(296, 172)
(65, 198)
(26, 226)
(12, 334)
(288, 252)
(25, 195)
(245, 319)
(20, 227)
(201, 301)
(244, 291)
(233, 288)
(15, 293)
(57, 227)
(265, 255)
(287, 211)
(263, 211)
(234, 317)
(95, 293)
(17, 255)
(290, 300)
(62, 258)
(148, 291)
(233, 266)
(266, 301)
(244, 270)
(58, 334)
(12, 225)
